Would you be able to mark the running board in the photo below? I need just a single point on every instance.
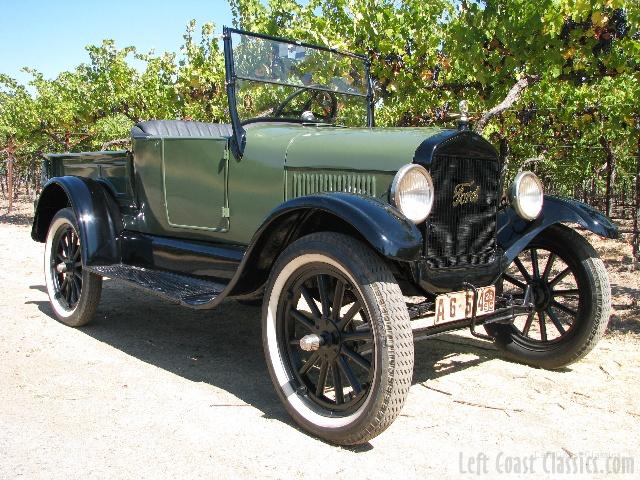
(188, 291)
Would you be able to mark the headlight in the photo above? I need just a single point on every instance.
(526, 195)
(412, 192)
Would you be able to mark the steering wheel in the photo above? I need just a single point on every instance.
(326, 100)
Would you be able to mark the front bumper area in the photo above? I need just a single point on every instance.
(423, 317)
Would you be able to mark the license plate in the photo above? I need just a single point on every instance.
(459, 305)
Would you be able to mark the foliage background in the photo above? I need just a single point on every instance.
(553, 83)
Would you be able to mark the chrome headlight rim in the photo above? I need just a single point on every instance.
(394, 194)
(514, 197)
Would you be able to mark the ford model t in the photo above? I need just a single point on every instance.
(334, 225)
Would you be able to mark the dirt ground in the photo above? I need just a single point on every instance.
(152, 390)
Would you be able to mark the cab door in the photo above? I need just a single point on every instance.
(194, 174)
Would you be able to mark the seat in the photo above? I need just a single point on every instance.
(180, 128)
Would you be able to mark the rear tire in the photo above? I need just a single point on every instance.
(334, 289)
(74, 292)
(572, 307)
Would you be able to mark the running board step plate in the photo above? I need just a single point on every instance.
(187, 291)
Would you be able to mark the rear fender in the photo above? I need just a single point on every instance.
(515, 233)
(97, 214)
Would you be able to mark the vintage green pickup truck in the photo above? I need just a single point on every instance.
(357, 240)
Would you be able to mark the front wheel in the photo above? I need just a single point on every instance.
(337, 338)
(74, 292)
(568, 284)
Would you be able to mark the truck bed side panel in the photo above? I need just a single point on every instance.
(113, 169)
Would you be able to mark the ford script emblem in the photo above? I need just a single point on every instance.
(465, 193)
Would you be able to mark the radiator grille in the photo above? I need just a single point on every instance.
(463, 234)
(309, 183)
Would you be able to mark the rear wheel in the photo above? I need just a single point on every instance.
(74, 292)
(569, 286)
(337, 338)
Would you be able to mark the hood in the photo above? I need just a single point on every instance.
(373, 149)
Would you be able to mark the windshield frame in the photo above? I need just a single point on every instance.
(239, 136)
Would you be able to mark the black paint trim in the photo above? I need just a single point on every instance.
(196, 259)
(456, 143)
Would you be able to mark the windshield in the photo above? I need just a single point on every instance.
(291, 81)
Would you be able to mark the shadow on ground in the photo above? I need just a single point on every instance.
(223, 347)
(16, 219)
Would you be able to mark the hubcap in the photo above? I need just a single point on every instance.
(311, 342)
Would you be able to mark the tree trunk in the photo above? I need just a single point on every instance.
(610, 173)
(10, 151)
(512, 97)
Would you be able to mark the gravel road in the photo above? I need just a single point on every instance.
(152, 390)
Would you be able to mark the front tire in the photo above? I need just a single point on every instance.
(352, 377)
(74, 292)
(570, 289)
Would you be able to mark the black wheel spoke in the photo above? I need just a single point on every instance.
(357, 358)
(68, 292)
(527, 324)
(543, 326)
(338, 297)
(340, 354)
(347, 317)
(310, 302)
(514, 281)
(322, 378)
(559, 277)
(534, 263)
(360, 335)
(567, 292)
(337, 383)
(564, 308)
(309, 363)
(556, 321)
(350, 376)
(323, 291)
(76, 255)
(548, 266)
(63, 286)
(302, 319)
(523, 271)
(76, 288)
(59, 257)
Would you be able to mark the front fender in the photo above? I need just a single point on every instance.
(380, 225)
(387, 231)
(515, 233)
(97, 214)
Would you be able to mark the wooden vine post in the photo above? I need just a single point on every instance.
(10, 151)
(636, 213)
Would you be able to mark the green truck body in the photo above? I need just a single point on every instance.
(333, 230)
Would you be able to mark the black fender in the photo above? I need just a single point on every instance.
(97, 213)
(515, 233)
(378, 224)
